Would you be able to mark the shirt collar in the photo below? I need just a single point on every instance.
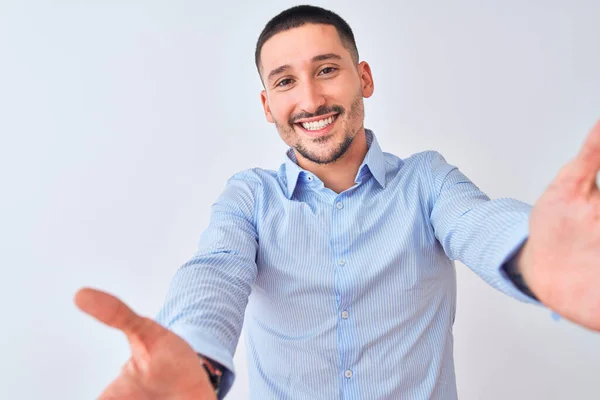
(374, 160)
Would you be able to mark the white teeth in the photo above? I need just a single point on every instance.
(316, 125)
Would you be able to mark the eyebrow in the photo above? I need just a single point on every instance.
(320, 57)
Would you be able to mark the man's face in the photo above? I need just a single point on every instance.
(314, 91)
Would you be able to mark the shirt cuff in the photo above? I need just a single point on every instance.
(518, 239)
(210, 348)
(513, 244)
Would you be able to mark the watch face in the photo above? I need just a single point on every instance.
(214, 374)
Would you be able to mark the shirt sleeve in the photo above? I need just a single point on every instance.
(207, 297)
(481, 233)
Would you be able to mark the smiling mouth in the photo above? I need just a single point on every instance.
(319, 127)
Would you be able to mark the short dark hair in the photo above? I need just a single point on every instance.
(298, 16)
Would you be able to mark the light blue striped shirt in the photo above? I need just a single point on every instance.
(349, 295)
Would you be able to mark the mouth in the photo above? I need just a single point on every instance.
(318, 128)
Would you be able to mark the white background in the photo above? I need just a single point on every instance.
(121, 121)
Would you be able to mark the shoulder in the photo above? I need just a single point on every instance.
(256, 181)
(426, 158)
(255, 176)
(427, 162)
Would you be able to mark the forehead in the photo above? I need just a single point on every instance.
(298, 45)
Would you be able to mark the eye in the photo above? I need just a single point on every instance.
(284, 82)
(327, 70)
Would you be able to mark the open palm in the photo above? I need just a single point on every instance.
(162, 365)
(561, 260)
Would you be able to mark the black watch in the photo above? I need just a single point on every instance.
(214, 371)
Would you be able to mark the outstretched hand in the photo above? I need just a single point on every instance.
(561, 259)
(162, 365)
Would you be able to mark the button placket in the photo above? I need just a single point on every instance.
(341, 249)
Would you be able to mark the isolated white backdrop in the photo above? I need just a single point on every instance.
(121, 121)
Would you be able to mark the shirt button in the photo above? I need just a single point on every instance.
(345, 316)
(310, 178)
(342, 262)
(348, 374)
(339, 205)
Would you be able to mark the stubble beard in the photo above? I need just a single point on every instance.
(288, 132)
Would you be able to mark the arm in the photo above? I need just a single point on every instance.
(208, 295)
(483, 234)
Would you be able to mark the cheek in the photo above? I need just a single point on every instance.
(345, 95)
(281, 108)
(281, 116)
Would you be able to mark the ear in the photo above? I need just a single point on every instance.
(265, 103)
(366, 79)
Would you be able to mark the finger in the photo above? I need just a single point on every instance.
(107, 309)
(589, 155)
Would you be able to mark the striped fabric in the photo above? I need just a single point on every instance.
(345, 296)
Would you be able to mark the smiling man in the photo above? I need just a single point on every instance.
(314, 93)
(342, 260)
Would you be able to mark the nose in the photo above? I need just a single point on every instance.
(311, 97)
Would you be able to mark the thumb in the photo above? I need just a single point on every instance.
(108, 309)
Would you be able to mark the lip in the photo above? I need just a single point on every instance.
(321, 132)
(318, 118)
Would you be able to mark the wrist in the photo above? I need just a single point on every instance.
(517, 270)
(214, 371)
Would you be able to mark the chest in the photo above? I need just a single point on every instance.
(322, 245)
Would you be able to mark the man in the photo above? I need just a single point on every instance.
(345, 252)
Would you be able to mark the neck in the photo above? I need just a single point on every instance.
(340, 174)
